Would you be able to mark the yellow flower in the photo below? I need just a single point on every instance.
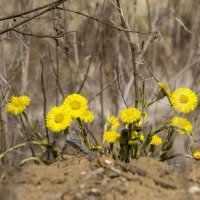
(112, 123)
(196, 155)
(111, 136)
(184, 100)
(77, 104)
(17, 105)
(87, 116)
(156, 140)
(135, 137)
(58, 119)
(183, 125)
(164, 91)
(96, 148)
(138, 135)
(130, 115)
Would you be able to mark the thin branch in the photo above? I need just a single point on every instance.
(44, 97)
(133, 48)
(104, 23)
(183, 25)
(41, 36)
(32, 10)
(44, 104)
(52, 7)
(20, 129)
(119, 86)
(105, 87)
(54, 73)
(86, 74)
(27, 137)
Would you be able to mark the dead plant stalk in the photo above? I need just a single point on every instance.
(133, 48)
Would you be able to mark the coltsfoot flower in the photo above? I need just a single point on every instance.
(130, 115)
(58, 119)
(183, 125)
(111, 136)
(87, 116)
(138, 135)
(196, 155)
(96, 148)
(156, 140)
(77, 104)
(17, 105)
(135, 137)
(164, 91)
(184, 100)
(112, 123)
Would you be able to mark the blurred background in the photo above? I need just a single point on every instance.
(72, 51)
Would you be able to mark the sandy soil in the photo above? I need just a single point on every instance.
(80, 176)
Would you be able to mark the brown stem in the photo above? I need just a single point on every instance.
(44, 104)
(51, 7)
(132, 47)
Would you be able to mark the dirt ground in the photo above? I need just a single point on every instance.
(80, 176)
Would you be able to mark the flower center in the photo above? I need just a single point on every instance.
(184, 98)
(58, 118)
(16, 102)
(75, 105)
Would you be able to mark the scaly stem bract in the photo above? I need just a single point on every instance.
(83, 132)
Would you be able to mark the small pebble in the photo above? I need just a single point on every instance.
(98, 171)
(108, 162)
(194, 189)
(83, 173)
(94, 192)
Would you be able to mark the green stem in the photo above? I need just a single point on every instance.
(136, 151)
(151, 150)
(152, 102)
(54, 150)
(111, 150)
(83, 132)
(191, 139)
(149, 136)
(32, 159)
(31, 125)
(21, 145)
(27, 136)
(66, 132)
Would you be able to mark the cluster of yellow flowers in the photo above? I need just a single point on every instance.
(128, 116)
(131, 140)
(135, 137)
(59, 117)
(183, 100)
(111, 135)
(74, 107)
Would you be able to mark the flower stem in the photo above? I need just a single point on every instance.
(83, 132)
(31, 125)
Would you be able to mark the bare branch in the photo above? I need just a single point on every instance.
(51, 7)
(104, 23)
(54, 4)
